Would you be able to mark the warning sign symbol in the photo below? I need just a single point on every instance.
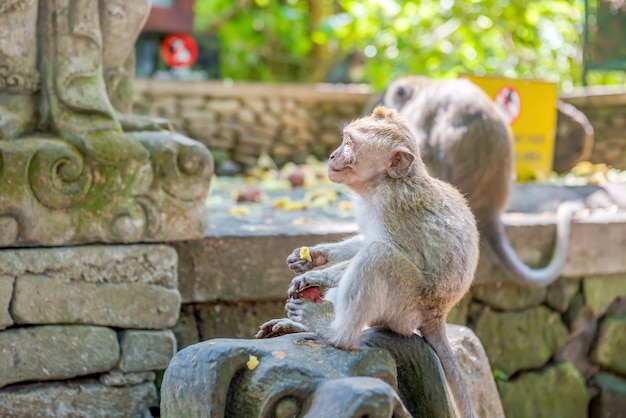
(509, 100)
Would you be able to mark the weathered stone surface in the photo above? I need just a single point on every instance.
(82, 398)
(611, 400)
(6, 292)
(235, 320)
(523, 340)
(45, 300)
(120, 378)
(146, 350)
(561, 293)
(600, 291)
(186, 328)
(54, 188)
(330, 382)
(610, 347)
(239, 268)
(142, 264)
(458, 314)
(585, 259)
(556, 392)
(582, 334)
(56, 352)
(478, 375)
(509, 296)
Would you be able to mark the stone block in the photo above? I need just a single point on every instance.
(83, 398)
(600, 291)
(561, 293)
(558, 391)
(146, 350)
(6, 293)
(508, 296)
(236, 320)
(120, 378)
(522, 340)
(45, 300)
(532, 237)
(239, 267)
(609, 351)
(611, 399)
(474, 364)
(140, 264)
(56, 352)
(186, 328)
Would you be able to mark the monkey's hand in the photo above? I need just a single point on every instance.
(309, 279)
(310, 314)
(299, 265)
(278, 327)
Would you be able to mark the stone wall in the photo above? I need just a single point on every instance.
(605, 107)
(556, 351)
(242, 120)
(83, 329)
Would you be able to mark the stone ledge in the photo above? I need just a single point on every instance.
(246, 262)
(149, 264)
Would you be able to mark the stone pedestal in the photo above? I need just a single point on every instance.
(84, 328)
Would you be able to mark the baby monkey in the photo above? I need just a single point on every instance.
(413, 259)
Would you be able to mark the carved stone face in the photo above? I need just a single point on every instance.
(296, 375)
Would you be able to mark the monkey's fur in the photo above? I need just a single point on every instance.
(465, 141)
(414, 257)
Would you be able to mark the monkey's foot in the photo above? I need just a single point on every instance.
(309, 313)
(278, 327)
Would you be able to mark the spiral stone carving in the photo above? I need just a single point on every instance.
(182, 166)
(58, 176)
(14, 82)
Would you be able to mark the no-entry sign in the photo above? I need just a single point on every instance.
(179, 50)
(529, 106)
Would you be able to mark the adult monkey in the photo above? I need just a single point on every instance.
(465, 141)
(413, 260)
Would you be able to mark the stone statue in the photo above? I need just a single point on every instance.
(301, 375)
(66, 71)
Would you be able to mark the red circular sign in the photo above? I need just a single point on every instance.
(179, 50)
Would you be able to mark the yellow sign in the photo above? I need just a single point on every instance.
(530, 108)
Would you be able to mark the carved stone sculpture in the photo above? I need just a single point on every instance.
(301, 375)
(74, 166)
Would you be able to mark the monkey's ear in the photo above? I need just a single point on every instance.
(400, 163)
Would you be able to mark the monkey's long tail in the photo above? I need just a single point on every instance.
(435, 336)
(493, 234)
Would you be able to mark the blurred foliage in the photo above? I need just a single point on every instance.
(301, 40)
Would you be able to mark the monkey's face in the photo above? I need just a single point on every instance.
(373, 149)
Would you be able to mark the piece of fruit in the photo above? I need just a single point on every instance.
(311, 293)
(305, 254)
